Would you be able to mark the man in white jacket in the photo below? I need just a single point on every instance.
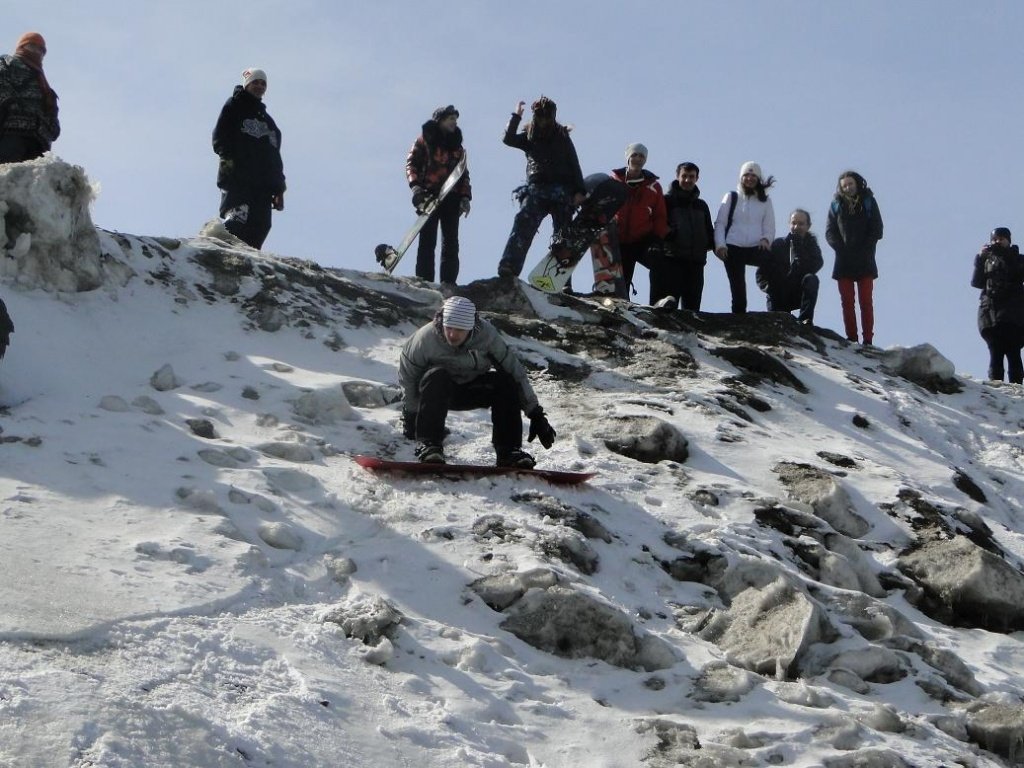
(744, 230)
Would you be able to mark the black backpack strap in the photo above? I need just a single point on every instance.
(734, 196)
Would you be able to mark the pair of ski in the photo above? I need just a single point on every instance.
(589, 228)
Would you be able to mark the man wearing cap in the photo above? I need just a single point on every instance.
(642, 220)
(28, 105)
(460, 362)
(250, 173)
(433, 157)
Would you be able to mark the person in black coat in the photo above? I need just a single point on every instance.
(999, 273)
(554, 181)
(250, 173)
(6, 328)
(677, 273)
(854, 229)
(790, 274)
(28, 105)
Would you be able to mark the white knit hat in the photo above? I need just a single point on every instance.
(458, 312)
(253, 74)
(751, 167)
(636, 147)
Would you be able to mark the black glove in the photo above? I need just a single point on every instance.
(421, 199)
(409, 424)
(540, 428)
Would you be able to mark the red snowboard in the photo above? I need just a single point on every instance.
(421, 468)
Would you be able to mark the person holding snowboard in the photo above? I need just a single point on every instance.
(854, 229)
(460, 362)
(28, 105)
(642, 221)
(999, 273)
(744, 230)
(554, 182)
(250, 173)
(431, 160)
(677, 274)
(789, 276)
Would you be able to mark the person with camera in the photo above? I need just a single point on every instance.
(999, 273)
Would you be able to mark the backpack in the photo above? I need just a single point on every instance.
(869, 206)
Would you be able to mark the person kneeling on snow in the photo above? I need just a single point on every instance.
(460, 362)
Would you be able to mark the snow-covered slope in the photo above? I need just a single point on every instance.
(194, 571)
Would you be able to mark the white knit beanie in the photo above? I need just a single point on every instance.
(751, 167)
(636, 147)
(458, 312)
(253, 74)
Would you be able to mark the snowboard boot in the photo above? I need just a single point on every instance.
(430, 453)
(514, 457)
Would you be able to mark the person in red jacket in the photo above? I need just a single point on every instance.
(432, 158)
(642, 221)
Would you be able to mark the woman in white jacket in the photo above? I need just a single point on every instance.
(744, 230)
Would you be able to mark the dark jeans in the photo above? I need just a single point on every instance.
(535, 202)
(735, 269)
(801, 294)
(683, 280)
(496, 390)
(16, 148)
(447, 215)
(246, 214)
(633, 254)
(1005, 341)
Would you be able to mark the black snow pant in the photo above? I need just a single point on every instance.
(496, 390)
(246, 214)
(680, 279)
(1005, 341)
(447, 216)
(17, 148)
(735, 269)
(801, 294)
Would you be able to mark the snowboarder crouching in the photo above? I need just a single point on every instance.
(460, 362)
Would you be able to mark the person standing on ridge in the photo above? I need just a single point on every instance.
(744, 230)
(554, 181)
(431, 160)
(28, 105)
(999, 273)
(854, 229)
(250, 173)
(642, 221)
(447, 365)
(677, 276)
(789, 276)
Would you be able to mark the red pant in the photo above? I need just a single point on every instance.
(864, 286)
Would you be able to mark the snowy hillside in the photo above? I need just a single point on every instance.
(797, 551)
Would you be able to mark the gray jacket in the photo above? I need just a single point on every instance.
(483, 350)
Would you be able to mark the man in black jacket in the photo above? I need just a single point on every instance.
(554, 181)
(999, 273)
(677, 274)
(789, 276)
(251, 173)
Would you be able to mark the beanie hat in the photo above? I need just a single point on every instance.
(458, 312)
(442, 112)
(31, 38)
(1001, 232)
(253, 74)
(751, 167)
(636, 147)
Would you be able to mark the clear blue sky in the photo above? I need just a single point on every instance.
(919, 96)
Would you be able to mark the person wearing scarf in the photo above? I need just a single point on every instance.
(854, 229)
(28, 105)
